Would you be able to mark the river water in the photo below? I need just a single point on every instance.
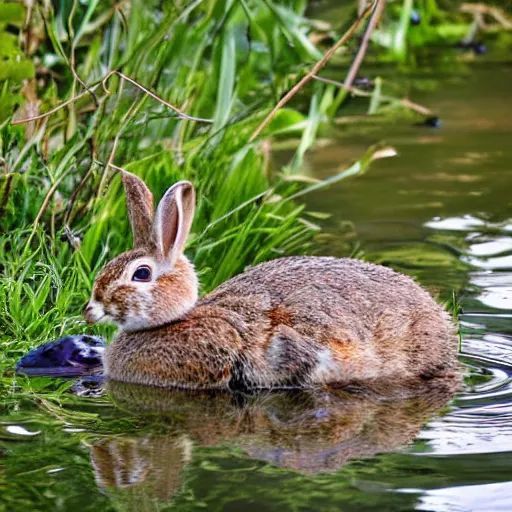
(441, 211)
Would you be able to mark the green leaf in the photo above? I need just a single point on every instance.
(14, 65)
(286, 120)
(358, 168)
(400, 35)
(321, 100)
(293, 26)
(225, 92)
(11, 13)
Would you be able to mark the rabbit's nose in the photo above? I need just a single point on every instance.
(88, 314)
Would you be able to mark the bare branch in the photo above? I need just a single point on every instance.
(102, 83)
(53, 111)
(495, 12)
(356, 64)
(405, 102)
(181, 114)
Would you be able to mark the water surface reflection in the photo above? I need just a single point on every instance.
(305, 431)
(442, 212)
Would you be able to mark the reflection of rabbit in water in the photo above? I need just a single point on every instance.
(291, 322)
(305, 431)
(149, 466)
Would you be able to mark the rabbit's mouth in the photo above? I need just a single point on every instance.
(94, 313)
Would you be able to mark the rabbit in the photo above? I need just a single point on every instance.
(293, 322)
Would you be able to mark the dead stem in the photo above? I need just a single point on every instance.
(114, 167)
(181, 114)
(44, 205)
(316, 68)
(483, 9)
(71, 203)
(50, 112)
(102, 83)
(363, 47)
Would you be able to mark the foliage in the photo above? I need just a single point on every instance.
(15, 67)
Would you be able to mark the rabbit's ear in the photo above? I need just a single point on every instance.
(173, 220)
(139, 203)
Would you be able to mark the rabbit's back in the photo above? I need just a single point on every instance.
(322, 320)
(349, 279)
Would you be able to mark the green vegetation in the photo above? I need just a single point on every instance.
(62, 209)
(116, 82)
(118, 78)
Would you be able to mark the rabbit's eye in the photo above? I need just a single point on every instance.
(143, 273)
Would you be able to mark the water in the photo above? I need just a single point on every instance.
(441, 211)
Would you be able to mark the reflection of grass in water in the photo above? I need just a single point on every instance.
(475, 375)
(418, 256)
(422, 260)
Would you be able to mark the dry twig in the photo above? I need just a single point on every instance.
(181, 114)
(482, 9)
(102, 83)
(372, 24)
(405, 102)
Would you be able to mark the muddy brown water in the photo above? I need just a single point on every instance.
(441, 211)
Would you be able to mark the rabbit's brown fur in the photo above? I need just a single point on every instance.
(291, 322)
